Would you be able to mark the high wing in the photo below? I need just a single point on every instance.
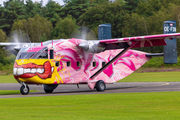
(143, 41)
(17, 44)
(96, 46)
(132, 42)
(15, 47)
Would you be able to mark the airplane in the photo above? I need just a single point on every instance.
(77, 61)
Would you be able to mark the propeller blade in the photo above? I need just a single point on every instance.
(84, 33)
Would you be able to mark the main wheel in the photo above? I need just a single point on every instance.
(49, 88)
(48, 91)
(100, 86)
(24, 90)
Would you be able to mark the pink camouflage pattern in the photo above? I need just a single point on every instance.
(68, 50)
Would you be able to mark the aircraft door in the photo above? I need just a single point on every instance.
(51, 54)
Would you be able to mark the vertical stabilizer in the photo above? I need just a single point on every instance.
(170, 50)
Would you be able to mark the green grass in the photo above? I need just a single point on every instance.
(158, 62)
(7, 79)
(11, 92)
(124, 106)
(153, 77)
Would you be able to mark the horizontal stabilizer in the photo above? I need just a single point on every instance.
(155, 55)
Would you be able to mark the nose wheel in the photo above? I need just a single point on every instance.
(24, 89)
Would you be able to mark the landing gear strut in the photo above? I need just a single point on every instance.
(24, 89)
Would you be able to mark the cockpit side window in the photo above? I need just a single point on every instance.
(42, 54)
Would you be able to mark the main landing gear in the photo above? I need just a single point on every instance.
(24, 89)
(100, 86)
(49, 88)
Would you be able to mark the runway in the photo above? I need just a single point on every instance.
(119, 87)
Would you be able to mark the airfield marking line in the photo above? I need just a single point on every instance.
(162, 84)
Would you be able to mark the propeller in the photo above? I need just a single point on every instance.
(92, 45)
(18, 39)
(84, 33)
(19, 36)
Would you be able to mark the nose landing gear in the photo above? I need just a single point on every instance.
(24, 89)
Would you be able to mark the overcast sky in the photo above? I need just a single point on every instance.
(44, 1)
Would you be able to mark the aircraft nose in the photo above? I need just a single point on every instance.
(14, 71)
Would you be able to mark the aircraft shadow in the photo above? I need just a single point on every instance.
(84, 91)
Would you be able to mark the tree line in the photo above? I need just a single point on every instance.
(54, 21)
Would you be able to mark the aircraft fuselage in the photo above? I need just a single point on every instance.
(64, 62)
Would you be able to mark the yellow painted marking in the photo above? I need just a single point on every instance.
(162, 84)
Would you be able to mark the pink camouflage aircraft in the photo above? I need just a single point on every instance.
(77, 61)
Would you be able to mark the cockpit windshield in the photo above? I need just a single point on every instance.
(25, 54)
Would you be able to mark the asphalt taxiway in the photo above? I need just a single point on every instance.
(118, 87)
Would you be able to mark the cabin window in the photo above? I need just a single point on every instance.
(68, 64)
(57, 63)
(78, 64)
(103, 64)
(94, 64)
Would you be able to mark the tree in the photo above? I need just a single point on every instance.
(3, 58)
(75, 8)
(38, 28)
(141, 24)
(131, 5)
(13, 9)
(52, 11)
(3, 36)
(106, 13)
(65, 27)
(148, 8)
(33, 9)
(135, 25)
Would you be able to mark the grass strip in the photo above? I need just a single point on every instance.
(7, 79)
(129, 106)
(153, 77)
(9, 92)
(12, 92)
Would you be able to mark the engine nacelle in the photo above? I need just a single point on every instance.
(92, 46)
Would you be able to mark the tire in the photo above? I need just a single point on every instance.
(23, 90)
(48, 91)
(100, 86)
(49, 88)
